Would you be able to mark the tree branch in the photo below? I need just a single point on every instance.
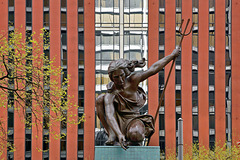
(3, 57)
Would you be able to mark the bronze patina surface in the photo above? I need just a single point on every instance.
(118, 109)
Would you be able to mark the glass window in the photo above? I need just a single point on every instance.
(211, 78)
(64, 38)
(161, 122)
(63, 19)
(80, 142)
(29, 18)
(161, 38)
(46, 3)
(178, 77)
(195, 122)
(11, 17)
(10, 3)
(64, 3)
(28, 3)
(10, 119)
(80, 3)
(80, 18)
(111, 46)
(212, 121)
(195, 95)
(81, 38)
(46, 18)
(81, 78)
(211, 95)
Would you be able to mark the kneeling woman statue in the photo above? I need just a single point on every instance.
(118, 109)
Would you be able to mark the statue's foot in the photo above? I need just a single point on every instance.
(111, 140)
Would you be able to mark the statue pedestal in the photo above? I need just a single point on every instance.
(133, 152)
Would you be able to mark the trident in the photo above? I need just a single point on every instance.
(183, 34)
(180, 43)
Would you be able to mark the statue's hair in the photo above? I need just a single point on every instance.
(126, 65)
(118, 64)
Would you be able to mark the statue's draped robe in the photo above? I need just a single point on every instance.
(128, 110)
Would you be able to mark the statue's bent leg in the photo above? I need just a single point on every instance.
(135, 132)
(101, 115)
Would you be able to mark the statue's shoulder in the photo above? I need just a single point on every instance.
(110, 87)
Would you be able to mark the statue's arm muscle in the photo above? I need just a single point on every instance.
(156, 67)
(110, 111)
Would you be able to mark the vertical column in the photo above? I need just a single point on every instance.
(153, 93)
(235, 71)
(19, 125)
(187, 76)
(3, 97)
(72, 46)
(37, 25)
(203, 76)
(220, 116)
(121, 29)
(89, 78)
(55, 50)
(170, 114)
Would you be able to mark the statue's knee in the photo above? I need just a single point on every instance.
(136, 131)
(135, 136)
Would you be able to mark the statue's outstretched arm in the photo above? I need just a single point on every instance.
(157, 66)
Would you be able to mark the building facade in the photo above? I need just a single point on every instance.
(86, 35)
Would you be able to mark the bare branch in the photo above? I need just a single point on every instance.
(6, 88)
(4, 63)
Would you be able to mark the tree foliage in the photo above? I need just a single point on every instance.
(218, 152)
(30, 83)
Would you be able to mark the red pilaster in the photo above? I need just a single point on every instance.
(153, 90)
(72, 45)
(187, 76)
(220, 104)
(170, 118)
(37, 25)
(89, 78)
(19, 125)
(203, 73)
(55, 50)
(3, 97)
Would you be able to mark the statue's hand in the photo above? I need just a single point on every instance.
(176, 52)
(122, 141)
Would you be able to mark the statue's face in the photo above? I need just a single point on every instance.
(119, 77)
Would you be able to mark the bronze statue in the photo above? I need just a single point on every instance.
(118, 109)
